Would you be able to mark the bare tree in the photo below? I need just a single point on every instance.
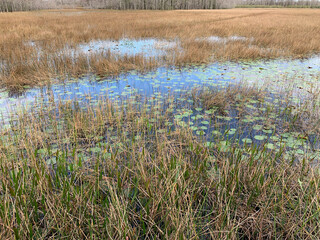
(283, 3)
(25, 5)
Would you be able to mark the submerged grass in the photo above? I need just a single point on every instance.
(223, 99)
(31, 43)
(127, 170)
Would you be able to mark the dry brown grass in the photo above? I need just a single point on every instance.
(276, 32)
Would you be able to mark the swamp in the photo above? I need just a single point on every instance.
(180, 124)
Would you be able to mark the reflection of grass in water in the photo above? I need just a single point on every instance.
(127, 170)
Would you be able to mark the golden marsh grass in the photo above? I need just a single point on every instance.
(274, 33)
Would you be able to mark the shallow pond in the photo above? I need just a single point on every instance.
(299, 77)
(146, 47)
(217, 39)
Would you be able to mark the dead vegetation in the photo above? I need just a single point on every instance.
(270, 33)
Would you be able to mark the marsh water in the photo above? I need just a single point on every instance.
(147, 47)
(300, 77)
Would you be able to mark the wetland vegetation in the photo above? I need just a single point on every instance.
(191, 125)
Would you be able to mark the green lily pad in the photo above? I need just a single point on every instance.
(260, 137)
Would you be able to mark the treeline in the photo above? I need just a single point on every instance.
(27, 5)
(160, 4)
(283, 3)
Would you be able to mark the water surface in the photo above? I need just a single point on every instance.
(299, 77)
